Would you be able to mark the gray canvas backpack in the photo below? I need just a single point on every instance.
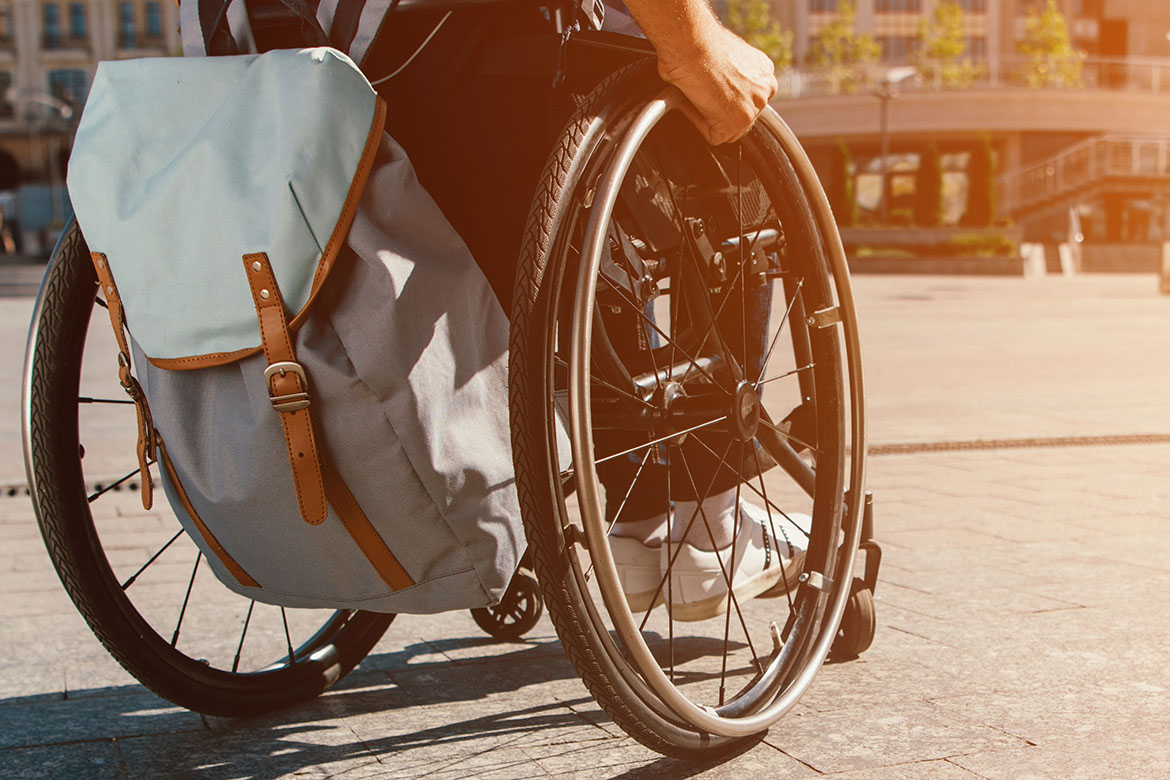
(321, 367)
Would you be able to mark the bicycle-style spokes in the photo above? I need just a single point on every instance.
(703, 414)
(136, 575)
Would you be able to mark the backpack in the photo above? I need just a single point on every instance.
(321, 364)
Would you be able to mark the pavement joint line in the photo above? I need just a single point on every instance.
(1040, 442)
(10, 487)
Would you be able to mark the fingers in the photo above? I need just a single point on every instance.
(726, 90)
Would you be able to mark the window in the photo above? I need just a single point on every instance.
(6, 25)
(52, 26)
(153, 20)
(977, 47)
(7, 110)
(77, 21)
(126, 26)
(974, 6)
(897, 6)
(822, 6)
(897, 48)
(70, 85)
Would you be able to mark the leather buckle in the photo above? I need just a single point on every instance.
(290, 402)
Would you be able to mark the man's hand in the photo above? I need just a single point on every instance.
(726, 81)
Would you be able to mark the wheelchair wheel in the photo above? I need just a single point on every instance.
(683, 327)
(135, 576)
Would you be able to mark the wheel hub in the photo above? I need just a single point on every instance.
(745, 412)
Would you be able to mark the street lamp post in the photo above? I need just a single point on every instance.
(885, 94)
(886, 91)
(55, 121)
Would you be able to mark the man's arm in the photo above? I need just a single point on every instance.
(727, 81)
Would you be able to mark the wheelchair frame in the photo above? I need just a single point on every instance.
(621, 669)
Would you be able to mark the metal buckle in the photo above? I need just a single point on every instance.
(291, 402)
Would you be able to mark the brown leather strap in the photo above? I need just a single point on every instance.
(227, 560)
(146, 434)
(362, 531)
(288, 387)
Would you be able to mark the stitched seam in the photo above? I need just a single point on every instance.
(353, 197)
(349, 600)
(370, 550)
(372, 553)
(203, 361)
(225, 558)
(285, 417)
(341, 229)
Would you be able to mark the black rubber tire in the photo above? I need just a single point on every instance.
(59, 497)
(518, 611)
(858, 625)
(624, 696)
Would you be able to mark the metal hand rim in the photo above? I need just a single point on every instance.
(581, 435)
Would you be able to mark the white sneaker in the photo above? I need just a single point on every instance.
(698, 586)
(639, 570)
(791, 556)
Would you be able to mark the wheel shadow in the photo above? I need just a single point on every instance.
(451, 704)
(452, 708)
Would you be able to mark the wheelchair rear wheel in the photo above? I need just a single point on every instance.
(683, 330)
(135, 576)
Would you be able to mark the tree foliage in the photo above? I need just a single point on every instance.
(928, 188)
(981, 186)
(839, 186)
(942, 57)
(842, 51)
(752, 20)
(1052, 61)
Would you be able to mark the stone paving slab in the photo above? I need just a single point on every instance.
(1020, 615)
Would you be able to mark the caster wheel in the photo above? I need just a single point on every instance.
(858, 625)
(517, 611)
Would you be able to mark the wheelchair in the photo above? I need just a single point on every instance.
(682, 321)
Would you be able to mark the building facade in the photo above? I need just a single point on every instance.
(49, 50)
(1088, 146)
(994, 28)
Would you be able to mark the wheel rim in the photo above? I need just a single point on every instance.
(199, 639)
(780, 678)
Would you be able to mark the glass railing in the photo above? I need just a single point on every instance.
(1111, 157)
(1131, 74)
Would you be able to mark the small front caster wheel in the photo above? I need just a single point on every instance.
(517, 611)
(858, 625)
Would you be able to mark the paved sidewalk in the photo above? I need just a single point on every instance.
(1021, 612)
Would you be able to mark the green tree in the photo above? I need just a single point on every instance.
(752, 20)
(839, 186)
(928, 188)
(1052, 61)
(981, 186)
(842, 51)
(942, 59)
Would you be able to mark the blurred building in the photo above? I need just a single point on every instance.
(1109, 28)
(49, 50)
(1083, 147)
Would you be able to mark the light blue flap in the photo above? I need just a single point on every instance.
(183, 166)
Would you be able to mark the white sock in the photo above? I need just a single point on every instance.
(718, 509)
(650, 532)
(720, 513)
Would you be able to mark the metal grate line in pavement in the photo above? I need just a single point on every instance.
(10, 488)
(18, 488)
(1019, 444)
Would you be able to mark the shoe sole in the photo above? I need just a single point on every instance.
(714, 606)
(643, 602)
(787, 584)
